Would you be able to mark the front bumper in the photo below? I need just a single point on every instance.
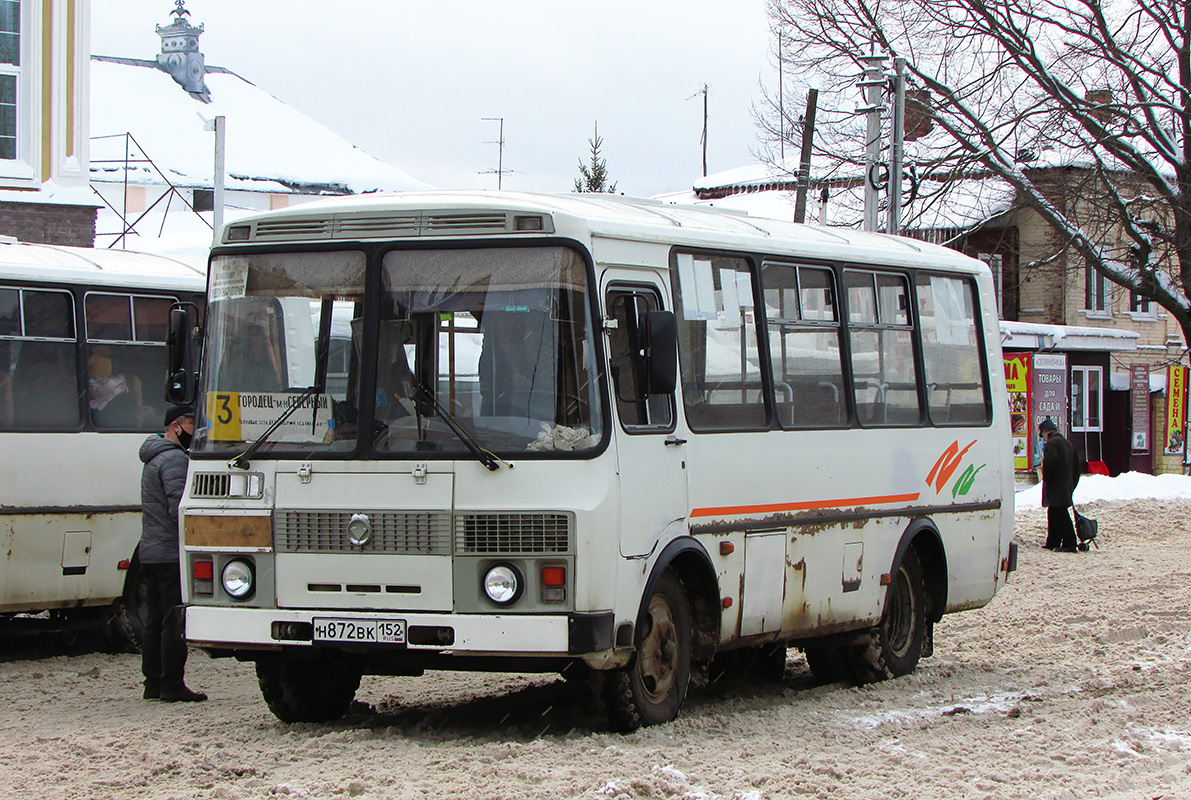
(472, 634)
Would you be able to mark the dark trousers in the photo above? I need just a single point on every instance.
(163, 647)
(1060, 531)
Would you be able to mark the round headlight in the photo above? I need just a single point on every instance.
(502, 584)
(237, 579)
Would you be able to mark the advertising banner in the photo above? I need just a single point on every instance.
(1048, 396)
(1176, 410)
(1139, 381)
(1017, 379)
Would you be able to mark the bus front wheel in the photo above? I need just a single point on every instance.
(651, 689)
(318, 687)
(892, 649)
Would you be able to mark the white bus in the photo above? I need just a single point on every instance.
(82, 379)
(588, 434)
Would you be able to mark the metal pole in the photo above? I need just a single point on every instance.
(804, 167)
(220, 171)
(897, 149)
(873, 84)
(705, 130)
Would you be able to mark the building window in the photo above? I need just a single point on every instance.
(1095, 291)
(10, 73)
(1087, 405)
(1142, 306)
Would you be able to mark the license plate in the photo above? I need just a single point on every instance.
(359, 631)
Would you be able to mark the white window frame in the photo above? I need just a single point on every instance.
(23, 170)
(1089, 374)
(1096, 293)
(1142, 307)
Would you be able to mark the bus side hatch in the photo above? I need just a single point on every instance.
(76, 552)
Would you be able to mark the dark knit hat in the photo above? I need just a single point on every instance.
(1047, 426)
(173, 412)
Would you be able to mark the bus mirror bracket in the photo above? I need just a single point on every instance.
(182, 342)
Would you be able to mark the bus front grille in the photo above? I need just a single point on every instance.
(392, 532)
(512, 533)
(211, 485)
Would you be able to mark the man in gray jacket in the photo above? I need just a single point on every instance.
(163, 480)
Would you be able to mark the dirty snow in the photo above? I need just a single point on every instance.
(1072, 683)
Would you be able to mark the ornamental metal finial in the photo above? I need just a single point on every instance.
(180, 11)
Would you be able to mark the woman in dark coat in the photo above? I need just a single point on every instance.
(1060, 474)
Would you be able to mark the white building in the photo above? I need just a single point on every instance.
(152, 160)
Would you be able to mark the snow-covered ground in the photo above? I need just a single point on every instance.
(1072, 683)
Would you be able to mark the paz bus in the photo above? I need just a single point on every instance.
(585, 434)
(82, 371)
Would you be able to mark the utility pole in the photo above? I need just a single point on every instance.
(219, 126)
(804, 166)
(897, 149)
(500, 158)
(704, 139)
(873, 85)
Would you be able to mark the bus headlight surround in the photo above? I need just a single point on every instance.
(237, 578)
(503, 584)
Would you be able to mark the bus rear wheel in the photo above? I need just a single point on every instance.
(651, 689)
(893, 647)
(318, 687)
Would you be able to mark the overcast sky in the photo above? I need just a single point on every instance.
(410, 82)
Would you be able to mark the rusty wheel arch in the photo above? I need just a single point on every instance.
(923, 535)
(690, 562)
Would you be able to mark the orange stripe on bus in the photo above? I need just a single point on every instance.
(805, 505)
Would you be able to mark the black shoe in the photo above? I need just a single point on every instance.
(1067, 549)
(182, 695)
(152, 691)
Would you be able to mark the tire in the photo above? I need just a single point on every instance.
(771, 662)
(318, 687)
(651, 689)
(126, 627)
(827, 664)
(892, 649)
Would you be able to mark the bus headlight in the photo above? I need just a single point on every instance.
(237, 579)
(503, 584)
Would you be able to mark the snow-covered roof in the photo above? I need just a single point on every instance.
(99, 267)
(1034, 336)
(958, 205)
(271, 147)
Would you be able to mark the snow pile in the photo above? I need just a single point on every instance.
(1126, 486)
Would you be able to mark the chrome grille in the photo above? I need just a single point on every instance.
(512, 533)
(210, 485)
(392, 532)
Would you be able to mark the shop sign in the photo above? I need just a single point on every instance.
(1017, 380)
(1139, 380)
(1176, 411)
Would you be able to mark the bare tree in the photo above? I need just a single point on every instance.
(1012, 88)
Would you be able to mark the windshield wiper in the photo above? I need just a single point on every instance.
(485, 457)
(241, 461)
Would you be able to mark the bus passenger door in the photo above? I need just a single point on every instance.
(650, 451)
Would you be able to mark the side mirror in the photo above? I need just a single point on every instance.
(181, 382)
(659, 332)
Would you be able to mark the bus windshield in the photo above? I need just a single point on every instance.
(490, 349)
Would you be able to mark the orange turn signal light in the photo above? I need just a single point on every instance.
(554, 576)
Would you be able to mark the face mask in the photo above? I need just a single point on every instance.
(184, 438)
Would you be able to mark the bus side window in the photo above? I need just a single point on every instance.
(718, 353)
(954, 359)
(804, 346)
(882, 339)
(126, 359)
(635, 410)
(38, 379)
